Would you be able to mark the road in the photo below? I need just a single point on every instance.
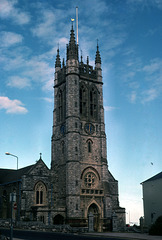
(33, 235)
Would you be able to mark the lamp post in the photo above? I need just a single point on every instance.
(7, 153)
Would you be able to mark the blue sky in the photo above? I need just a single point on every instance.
(130, 36)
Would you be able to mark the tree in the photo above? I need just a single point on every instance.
(156, 228)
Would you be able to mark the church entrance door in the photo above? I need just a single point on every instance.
(94, 210)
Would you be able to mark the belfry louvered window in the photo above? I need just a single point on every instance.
(93, 103)
(61, 105)
(83, 101)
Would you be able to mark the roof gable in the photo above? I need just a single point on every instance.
(157, 176)
(39, 168)
(10, 175)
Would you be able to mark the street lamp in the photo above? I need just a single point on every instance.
(7, 153)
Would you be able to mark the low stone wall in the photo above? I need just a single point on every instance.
(39, 226)
(5, 222)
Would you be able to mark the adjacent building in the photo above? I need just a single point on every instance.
(152, 199)
(31, 186)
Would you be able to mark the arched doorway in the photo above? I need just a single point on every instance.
(93, 208)
(58, 220)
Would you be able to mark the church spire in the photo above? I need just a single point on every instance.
(58, 61)
(98, 57)
(72, 47)
(72, 36)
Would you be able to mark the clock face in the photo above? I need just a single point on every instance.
(89, 128)
(62, 129)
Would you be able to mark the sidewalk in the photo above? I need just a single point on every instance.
(131, 236)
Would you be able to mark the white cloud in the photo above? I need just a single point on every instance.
(133, 97)
(149, 95)
(9, 38)
(6, 8)
(50, 100)
(63, 41)
(46, 25)
(39, 70)
(109, 108)
(134, 85)
(10, 11)
(147, 79)
(48, 86)
(154, 66)
(28, 70)
(145, 3)
(18, 82)
(12, 106)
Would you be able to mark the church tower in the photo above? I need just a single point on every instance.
(82, 183)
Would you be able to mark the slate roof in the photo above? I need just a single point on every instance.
(157, 176)
(11, 175)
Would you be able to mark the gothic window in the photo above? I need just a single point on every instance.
(40, 193)
(89, 145)
(61, 105)
(93, 103)
(88, 102)
(83, 101)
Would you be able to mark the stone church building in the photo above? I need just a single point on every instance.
(79, 182)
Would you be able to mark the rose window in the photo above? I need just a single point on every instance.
(90, 180)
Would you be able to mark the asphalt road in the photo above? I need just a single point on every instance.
(33, 235)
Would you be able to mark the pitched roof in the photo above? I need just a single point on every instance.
(157, 176)
(10, 175)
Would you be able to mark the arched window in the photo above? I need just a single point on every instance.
(40, 193)
(83, 101)
(89, 145)
(93, 103)
(61, 105)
